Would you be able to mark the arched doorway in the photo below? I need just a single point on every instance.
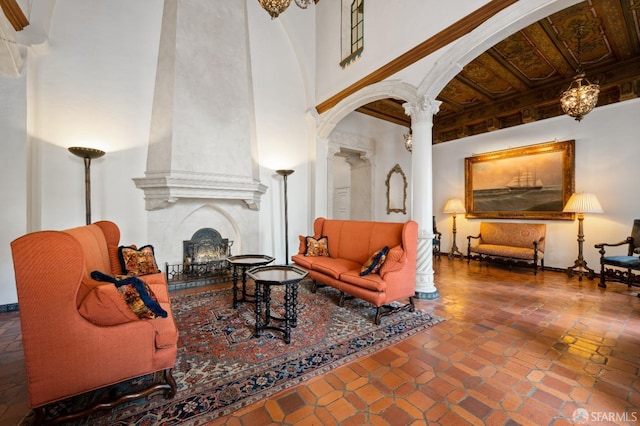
(352, 185)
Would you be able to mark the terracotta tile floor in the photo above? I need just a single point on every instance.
(515, 349)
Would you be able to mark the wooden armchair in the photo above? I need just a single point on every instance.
(437, 237)
(80, 334)
(620, 268)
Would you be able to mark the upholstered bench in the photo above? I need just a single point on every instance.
(512, 243)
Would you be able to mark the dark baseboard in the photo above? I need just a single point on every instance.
(11, 307)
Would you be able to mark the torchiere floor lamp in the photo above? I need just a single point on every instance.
(582, 203)
(453, 207)
(284, 174)
(87, 154)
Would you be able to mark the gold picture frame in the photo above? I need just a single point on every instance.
(531, 182)
(396, 190)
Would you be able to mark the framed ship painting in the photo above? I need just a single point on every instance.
(531, 182)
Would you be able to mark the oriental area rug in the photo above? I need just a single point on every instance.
(222, 367)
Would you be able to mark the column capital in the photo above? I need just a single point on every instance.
(422, 110)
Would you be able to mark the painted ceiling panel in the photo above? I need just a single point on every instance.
(522, 77)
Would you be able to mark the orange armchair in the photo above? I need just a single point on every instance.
(78, 334)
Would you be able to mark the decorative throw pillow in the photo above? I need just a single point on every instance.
(319, 247)
(374, 263)
(137, 295)
(136, 262)
(141, 300)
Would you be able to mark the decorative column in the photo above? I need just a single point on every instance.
(421, 113)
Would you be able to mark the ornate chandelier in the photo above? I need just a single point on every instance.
(408, 141)
(582, 96)
(275, 7)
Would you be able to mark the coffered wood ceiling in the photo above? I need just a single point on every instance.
(521, 79)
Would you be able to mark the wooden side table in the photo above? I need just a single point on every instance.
(267, 276)
(243, 262)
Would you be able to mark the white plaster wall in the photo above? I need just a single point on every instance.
(94, 88)
(606, 164)
(13, 177)
(282, 71)
(389, 151)
(391, 27)
(91, 87)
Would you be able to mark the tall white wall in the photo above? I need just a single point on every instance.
(606, 164)
(391, 27)
(283, 74)
(13, 177)
(93, 86)
(389, 151)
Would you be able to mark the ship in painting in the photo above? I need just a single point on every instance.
(525, 181)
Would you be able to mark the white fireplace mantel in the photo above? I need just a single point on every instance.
(162, 190)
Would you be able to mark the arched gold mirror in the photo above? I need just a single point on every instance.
(396, 190)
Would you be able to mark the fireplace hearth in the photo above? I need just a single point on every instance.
(204, 260)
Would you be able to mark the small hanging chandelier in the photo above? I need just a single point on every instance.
(582, 96)
(275, 7)
(408, 141)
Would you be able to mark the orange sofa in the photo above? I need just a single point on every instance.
(80, 334)
(350, 245)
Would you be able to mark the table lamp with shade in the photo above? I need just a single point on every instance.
(581, 203)
(453, 207)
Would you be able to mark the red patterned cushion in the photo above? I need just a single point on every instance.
(373, 264)
(137, 294)
(134, 296)
(319, 247)
(136, 262)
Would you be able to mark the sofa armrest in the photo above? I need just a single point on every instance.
(538, 243)
(469, 238)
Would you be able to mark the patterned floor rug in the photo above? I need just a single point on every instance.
(222, 367)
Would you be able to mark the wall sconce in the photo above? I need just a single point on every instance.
(453, 207)
(87, 154)
(582, 203)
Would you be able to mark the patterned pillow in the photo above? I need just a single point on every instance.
(141, 300)
(374, 263)
(137, 262)
(319, 247)
(136, 293)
